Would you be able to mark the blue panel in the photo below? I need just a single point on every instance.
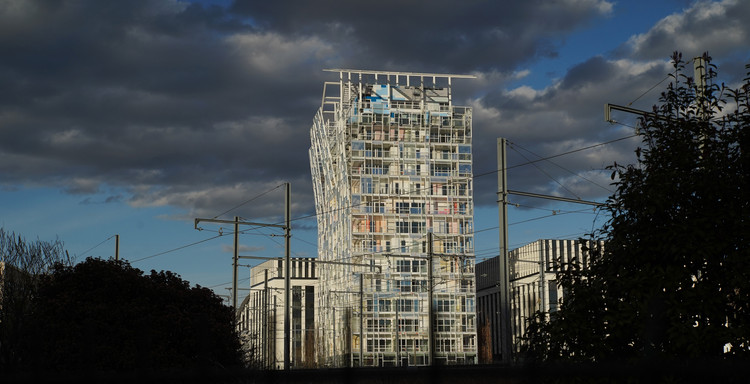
(381, 90)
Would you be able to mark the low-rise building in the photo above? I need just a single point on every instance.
(260, 317)
(533, 271)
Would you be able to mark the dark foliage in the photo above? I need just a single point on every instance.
(23, 261)
(673, 278)
(107, 315)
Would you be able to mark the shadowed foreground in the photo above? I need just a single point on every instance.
(645, 372)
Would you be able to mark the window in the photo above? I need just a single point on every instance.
(419, 286)
(402, 207)
(409, 345)
(366, 185)
(402, 227)
(358, 148)
(408, 325)
(444, 305)
(416, 227)
(468, 342)
(450, 246)
(419, 265)
(464, 152)
(403, 285)
(408, 305)
(417, 208)
(444, 325)
(441, 170)
(464, 169)
(403, 266)
(414, 285)
(384, 305)
(379, 325)
(378, 345)
(445, 345)
(462, 189)
(462, 208)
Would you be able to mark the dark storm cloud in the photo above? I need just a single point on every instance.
(193, 106)
(444, 35)
(161, 102)
(142, 93)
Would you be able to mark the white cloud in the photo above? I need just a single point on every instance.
(716, 27)
(521, 74)
(275, 53)
(524, 92)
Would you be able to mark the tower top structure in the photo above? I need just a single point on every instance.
(396, 75)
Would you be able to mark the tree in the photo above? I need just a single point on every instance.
(107, 315)
(672, 280)
(23, 262)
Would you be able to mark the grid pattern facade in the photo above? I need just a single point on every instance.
(391, 163)
(533, 284)
(260, 317)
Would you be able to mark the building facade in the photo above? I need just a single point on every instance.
(392, 175)
(533, 285)
(260, 317)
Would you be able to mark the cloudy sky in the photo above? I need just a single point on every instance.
(135, 117)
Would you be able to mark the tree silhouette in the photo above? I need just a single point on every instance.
(23, 261)
(672, 280)
(107, 315)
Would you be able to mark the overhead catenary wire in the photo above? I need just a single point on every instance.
(545, 173)
(94, 247)
(176, 249)
(249, 200)
(514, 145)
(557, 155)
(652, 88)
(405, 193)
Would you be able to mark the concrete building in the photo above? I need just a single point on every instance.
(533, 283)
(260, 317)
(391, 161)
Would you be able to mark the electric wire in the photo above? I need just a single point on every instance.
(513, 145)
(405, 193)
(558, 155)
(545, 173)
(249, 200)
(652, 88)
(176, 249)
(94, 247)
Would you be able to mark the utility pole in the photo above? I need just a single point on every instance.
(430, 327)
(265, 320)
(287, 269)
(506, 329)
(398, 346)
(235, 259)
(361, 319)
(699, 76)
(117, 247)
(236, 222)
(506, 333)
